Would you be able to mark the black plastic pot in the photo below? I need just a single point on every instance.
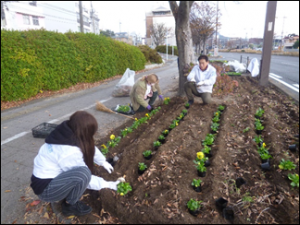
(213, 132)
(170, 129)
(257, 117)
(148, 157)
(194, 213)
(140, 172)
(165, 135)
(239, 182)
(265, 166)
(260, 144)
(228, 213)
(209, 155)
(197, 189)
(201, 174)
(207, 163)
(265, 160)
(184, 114)
(111, 161)
(293, 148)
(221, 203)
(162, 141)
(258, 131)
(156, 148)
(187, 107)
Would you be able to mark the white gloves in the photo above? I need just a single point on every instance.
(113, 184)
(200, 83)
(107, 166)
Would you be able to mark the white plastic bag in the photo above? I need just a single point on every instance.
(123, 88)
(238, 67)
(253, 67)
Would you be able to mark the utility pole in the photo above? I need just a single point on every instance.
(282, 37)
(81, 16)
(268, 37)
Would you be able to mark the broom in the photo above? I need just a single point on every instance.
(103, 108)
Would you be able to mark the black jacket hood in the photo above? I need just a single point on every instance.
(62, 135)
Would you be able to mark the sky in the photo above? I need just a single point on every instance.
(239, 19)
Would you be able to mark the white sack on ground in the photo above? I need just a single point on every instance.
(253, 67)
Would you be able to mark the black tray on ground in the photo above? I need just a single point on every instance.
(43, 130)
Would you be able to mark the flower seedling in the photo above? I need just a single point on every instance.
(165, 132)
(216, 119)
(147, 153)
(295, 180)
(262, 150)
(200, 166)
(123, 188)
(194, 205)
(259, 112)
(161, 138)
(200, 155)
(143, 120)
(175, 122)
(246, 129)
(206, 149)
(135, 125)
(221, 107)
(123, 108)
(196, 182)
(180, 117)
(142, 166)
(172, 126)
(184, 111)
(166, 100)
(217, 114)
(112, 137)
(111, 144)
(258, 139)
(187, 105)
(104, 150)
(209, 140)
(214, 126)
(286, 165)
(156, 144)
(265, 156)
(117, 139)
(259, 126)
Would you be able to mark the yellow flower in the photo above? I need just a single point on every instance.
(280, 167)
(176, 124)
(125, 128)
(147, 114)
(217, 113)
(166, 131)
(41, 91)
(297, 175)
(264, 145)
(122, 194)
(104, 146)
(112, 137)
(200, 155)
(136, 119)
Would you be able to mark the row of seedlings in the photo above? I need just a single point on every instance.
(202, 161)
(124, 187)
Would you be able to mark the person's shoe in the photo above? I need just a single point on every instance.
(191, 102)
(78, 209)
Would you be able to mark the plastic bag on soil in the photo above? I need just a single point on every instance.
(130, 112)
(236, 66)
(253, 67)
(123, 88)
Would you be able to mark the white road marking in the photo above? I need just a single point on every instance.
(296, 85)
(286, 84)
(274, 75)
(51, 121)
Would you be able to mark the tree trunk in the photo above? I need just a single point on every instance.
(183, 38)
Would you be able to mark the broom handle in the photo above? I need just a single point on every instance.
(124, 115)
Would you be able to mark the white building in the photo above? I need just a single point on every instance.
(22, 16)
(60, 16)
(160, 15)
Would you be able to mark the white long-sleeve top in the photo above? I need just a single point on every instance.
(208, 77)
(54, 159)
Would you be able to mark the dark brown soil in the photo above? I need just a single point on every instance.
(161, 193)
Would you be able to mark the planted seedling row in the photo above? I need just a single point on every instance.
(202, 160)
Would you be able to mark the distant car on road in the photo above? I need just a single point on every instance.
(258, 49)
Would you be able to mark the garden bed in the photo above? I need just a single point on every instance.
(160, 195)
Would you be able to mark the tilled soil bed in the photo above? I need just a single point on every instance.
(161, 193)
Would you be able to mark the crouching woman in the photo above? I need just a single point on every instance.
(64, 165)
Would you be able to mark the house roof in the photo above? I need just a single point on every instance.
(161, 9)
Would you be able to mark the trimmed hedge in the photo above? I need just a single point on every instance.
(150, 54)
(162, 49)
(36, 60)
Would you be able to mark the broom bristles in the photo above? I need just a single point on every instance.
(103, 108)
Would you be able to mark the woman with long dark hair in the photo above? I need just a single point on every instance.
(64, 165)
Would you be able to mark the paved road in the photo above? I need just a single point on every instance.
(284, 69)
(19, 147)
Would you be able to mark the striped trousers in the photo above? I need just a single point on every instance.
(68, 185)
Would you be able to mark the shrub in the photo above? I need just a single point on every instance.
(162, 49)
(225, 85)
(150, 54)
(36, 60)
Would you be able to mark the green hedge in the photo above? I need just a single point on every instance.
(150, 54)
(162, 49)
(37, 60)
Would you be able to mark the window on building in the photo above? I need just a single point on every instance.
(35, 20)
(85, 19)
(26, 19)
(78, 16)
